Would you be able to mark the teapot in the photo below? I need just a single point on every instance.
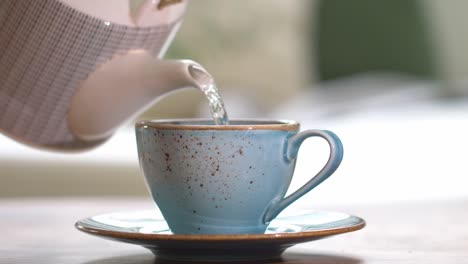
(73, 71)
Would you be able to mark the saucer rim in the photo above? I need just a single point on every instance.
(220, 237)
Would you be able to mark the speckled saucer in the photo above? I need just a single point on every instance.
(148, 229)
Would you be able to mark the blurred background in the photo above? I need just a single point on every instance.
(389, 77)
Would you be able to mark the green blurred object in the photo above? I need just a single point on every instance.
(355, 36)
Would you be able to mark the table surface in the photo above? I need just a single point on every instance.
(42, 231)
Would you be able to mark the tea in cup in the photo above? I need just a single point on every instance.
(225, 179)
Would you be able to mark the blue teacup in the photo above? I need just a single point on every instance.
(225, 179)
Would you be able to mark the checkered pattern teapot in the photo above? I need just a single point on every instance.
(72, 71)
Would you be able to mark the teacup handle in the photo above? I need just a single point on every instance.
(292, 148)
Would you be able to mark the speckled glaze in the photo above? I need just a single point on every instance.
(230, 179)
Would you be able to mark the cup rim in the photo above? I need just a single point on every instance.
(235, 124)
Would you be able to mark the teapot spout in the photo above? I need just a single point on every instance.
(123, 88)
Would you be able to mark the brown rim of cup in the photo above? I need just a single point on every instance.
(234, 124)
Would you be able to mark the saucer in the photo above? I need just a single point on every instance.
(150, 230)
